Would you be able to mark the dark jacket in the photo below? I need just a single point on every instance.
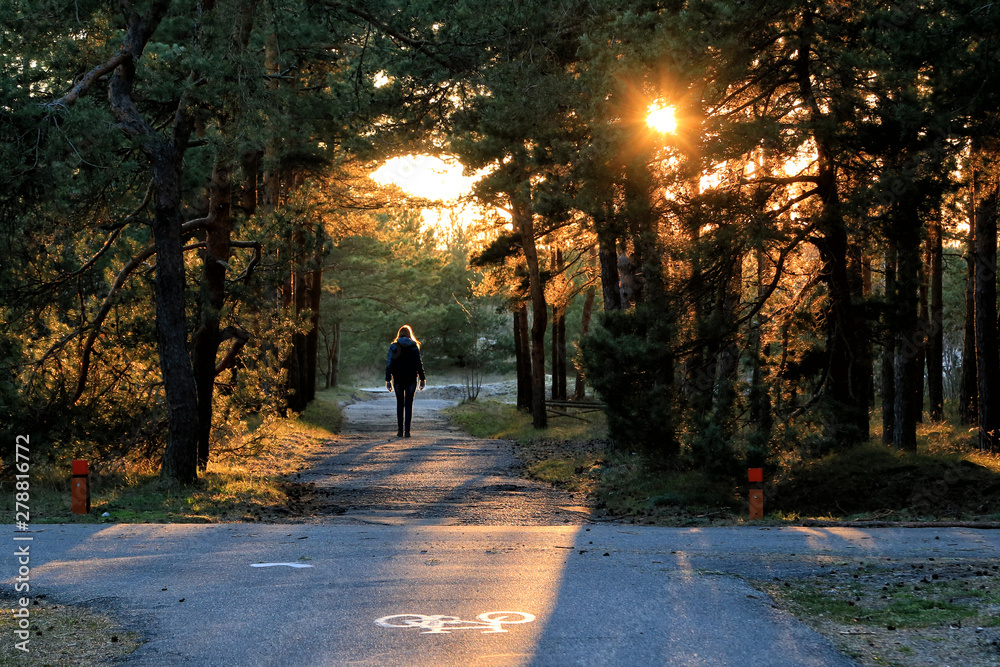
(403, 363)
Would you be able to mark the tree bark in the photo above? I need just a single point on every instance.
(935, 330)
(701, 365)
(298, 298)
(727, 366)
(987, 339)
(889, 350)
(846, 420)
(968, 407)
(580, 390)
(271, 190)
(555, 352)
(908, 331)
(180, 455)
(863, 372)
(335, 357)
(215, 259)
(923, 316)
(213, 295)
(760, 398)
(315, 283)
(522, 216)
(608, 260)
(331, 347)
(165, 155)
(248, 195)
(559, 334)
(522, 355)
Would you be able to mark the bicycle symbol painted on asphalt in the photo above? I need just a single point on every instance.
(489, 622)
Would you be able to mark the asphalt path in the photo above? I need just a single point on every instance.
(440, 476)
(422, 592)
(599, 595)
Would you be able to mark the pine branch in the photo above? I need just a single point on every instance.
(89, 79)
(417, 44)
(242, 338)
(102, 314)
(779, 180)
(107, 246)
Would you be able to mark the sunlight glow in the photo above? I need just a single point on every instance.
(661, 119)
(440, 180)
(426, 176)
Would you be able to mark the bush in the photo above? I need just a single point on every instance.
(629, 363)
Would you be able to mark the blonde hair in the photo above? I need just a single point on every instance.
(406, 331)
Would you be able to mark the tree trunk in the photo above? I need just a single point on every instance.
(558, 353)
(180, 455)
(968, 407)
(554, 353)
(522, 355)
(760, 398)
(610, 281)
(700, 366)
(724, 398)
(315, 280)
(863, 372)
(295, 295)
(213, 296)
(908, 332)
(987, 339)
(271, 190)
(248, 195)
(335, 356)
(889, 350)
(935, 330)
(580, 390)
(923, 316)
(165, 155)
(846, 419)
(847, 414)
(522, 217)
(559, 334)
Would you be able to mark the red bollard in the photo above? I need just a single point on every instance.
(756, 476)
(80, 488)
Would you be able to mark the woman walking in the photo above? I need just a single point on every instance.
(402, 368)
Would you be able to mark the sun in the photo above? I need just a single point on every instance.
(661, 119)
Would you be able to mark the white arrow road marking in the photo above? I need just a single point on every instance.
(285, 564)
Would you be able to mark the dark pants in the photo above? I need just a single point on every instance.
(404, 403)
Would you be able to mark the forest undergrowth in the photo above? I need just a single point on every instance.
(947, 479)
(247, 485)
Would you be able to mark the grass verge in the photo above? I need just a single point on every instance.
(946, 479)
(65, 635)
(917, 612)
(569, 453)
(577, 455)
(235, 487)
(942, 480)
